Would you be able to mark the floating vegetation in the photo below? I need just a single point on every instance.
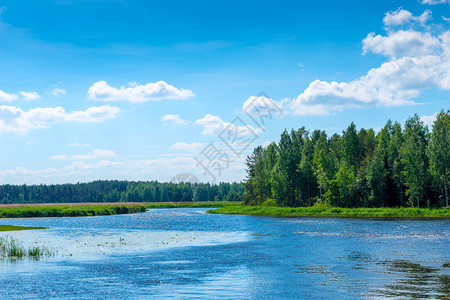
(12, 249)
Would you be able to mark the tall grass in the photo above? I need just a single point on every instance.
(328, 211)
(12, 249)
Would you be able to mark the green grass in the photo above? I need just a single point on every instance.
(16, 228)
(327, 211)
(191, 204)
(68, 210)
(12, 249)
(80, 210)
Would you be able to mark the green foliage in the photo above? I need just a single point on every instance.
(120, 191)
(439, 155)
(355, 169)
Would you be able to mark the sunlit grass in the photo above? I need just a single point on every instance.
(17, 228)
(328, 211)
(69, 210)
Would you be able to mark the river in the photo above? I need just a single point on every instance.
(186, 253)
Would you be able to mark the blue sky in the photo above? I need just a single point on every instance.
(138, 90)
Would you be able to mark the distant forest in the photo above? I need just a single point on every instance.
(397, 166)
(120, 191)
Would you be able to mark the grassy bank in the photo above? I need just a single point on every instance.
(94, 209)
(326, 211)
(191, 204)
(17, 228)
(68, 210)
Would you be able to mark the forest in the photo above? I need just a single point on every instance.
(396, 166)
(120, 191)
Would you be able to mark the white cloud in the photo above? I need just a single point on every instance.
(14, 119)
(78, 145)
(262, 106)
(398, 17)
(434, 2)
(418, 60)
(95, 154)
(58, 92)
(402, 16)
(175, 119)
(28, 96)
(160, 90)
(5, 97)
(395, 83)
(402, 43)
(186, 146)
(59, 157)
(215, 125)
(429, 120)
(53, 175)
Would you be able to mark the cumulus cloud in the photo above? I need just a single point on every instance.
(95, 154)
(398, 17)
(28, 96)
(402, 16)
(417, 60)
(175, 119)
(429, 120)
(402, 43)
(6, 97)
(434, 2)
(215, 125)
(160, 90)
(16, 120)
(58, 92)
(262, 105)
(186, 146)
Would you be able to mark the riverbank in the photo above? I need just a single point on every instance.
(68, 210)
(334, 212)
(17, 228)
(191, 204)
(46, 210)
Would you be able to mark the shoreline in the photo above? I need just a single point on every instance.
(336, 212)
(49, 210)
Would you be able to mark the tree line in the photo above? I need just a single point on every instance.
(120, 191)
(397, 166)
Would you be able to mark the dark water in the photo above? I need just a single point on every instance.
(185, 253)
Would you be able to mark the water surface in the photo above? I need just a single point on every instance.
(186, 253)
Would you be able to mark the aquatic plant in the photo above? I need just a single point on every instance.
(12, 249)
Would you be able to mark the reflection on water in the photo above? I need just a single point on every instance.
(415, 280)
(185, 253)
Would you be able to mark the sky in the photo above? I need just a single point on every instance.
(154, 90)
